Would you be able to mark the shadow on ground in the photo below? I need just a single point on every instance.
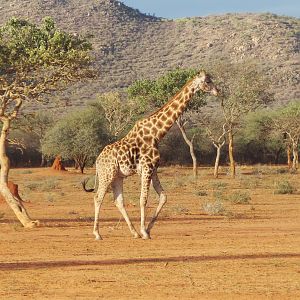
(131, 261)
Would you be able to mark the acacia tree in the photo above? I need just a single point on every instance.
(287, 121)
(79, 135)
(215, 129)
(34, 60)
(258, 137)
(243, 89)
(119, 114)
(152, 94)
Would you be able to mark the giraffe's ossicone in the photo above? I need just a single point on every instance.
(138, 153)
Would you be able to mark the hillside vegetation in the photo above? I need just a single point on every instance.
(129, 45)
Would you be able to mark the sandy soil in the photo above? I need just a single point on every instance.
(252, 251)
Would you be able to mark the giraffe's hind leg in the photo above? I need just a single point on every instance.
(98, 199)
(106, 170)
(105, 178)
(162, 199)
(117, 186)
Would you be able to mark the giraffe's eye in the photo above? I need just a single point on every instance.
(207, 80)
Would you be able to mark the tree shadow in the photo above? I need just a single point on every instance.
(33, 265)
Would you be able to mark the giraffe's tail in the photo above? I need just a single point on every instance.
(84, 182)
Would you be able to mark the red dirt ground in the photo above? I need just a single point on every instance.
(252, 251)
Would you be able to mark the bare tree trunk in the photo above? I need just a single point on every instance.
(76, 165)
(43, 161)
(277, 154)
(191, 147)
(230, 153)
(295, 155)
(80, 162)
(216, 170)
(81, 166)
(288, 153)
(15, 204)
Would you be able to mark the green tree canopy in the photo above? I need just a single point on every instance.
(287, 121)
(243, 88)
(24, 47)
(80, 136)
(155, 93)
(119, 113)
(256, 139)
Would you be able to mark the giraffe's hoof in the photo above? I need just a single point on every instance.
(146, 237)
(32, 224)
(136, 236)
(98, 237)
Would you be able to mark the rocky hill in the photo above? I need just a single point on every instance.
(129, 45)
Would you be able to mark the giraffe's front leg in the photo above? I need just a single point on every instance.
(146, 179)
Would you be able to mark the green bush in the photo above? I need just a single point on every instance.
(219, 195)
(23, 172)
(201, 193)
(214, 208)
(49, 198)
(282, 171)
(240, 197)
(43, 186)
(257, 171)
(33, 186)
(49, 185)
(285, 187)
(80, 135)
(219, 185)
(180, 210)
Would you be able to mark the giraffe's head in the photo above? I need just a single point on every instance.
(202, 81)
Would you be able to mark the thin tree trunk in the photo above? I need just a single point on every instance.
(13, 202)
(43, 161)
(76, 165)
(277, 154)
(81, 166)
(288, 153)
(295, 156)
(230, 153)
(216, 170)
(80, 162)
(191, 147)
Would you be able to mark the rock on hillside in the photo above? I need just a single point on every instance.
(129, 45)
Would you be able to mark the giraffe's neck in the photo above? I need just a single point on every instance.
(158, 124)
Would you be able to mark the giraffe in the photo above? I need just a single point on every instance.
(138, 153)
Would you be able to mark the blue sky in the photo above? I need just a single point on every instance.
(189, 8)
